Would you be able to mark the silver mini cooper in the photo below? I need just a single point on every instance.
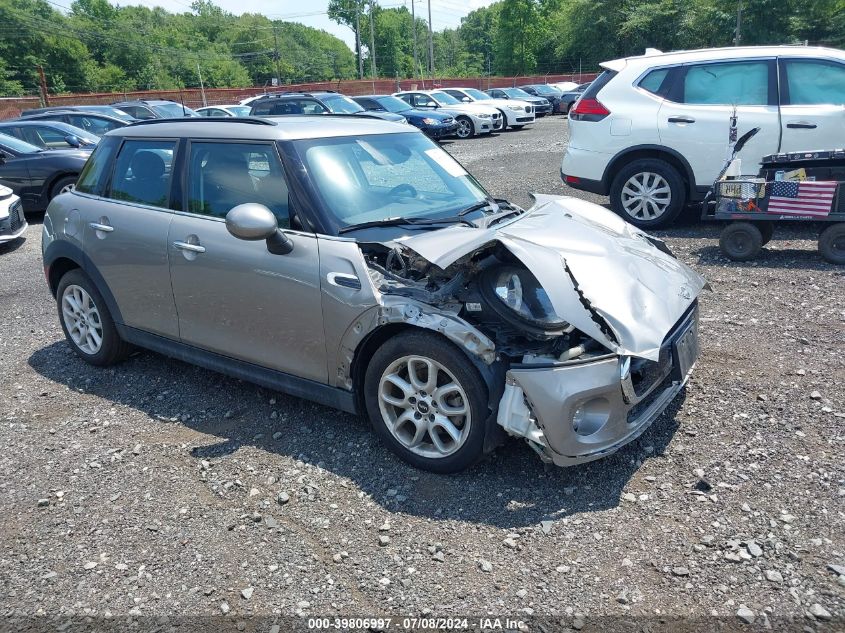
(355, 263)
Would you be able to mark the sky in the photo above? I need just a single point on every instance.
(444, 13)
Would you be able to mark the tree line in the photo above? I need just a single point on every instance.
(92, 45)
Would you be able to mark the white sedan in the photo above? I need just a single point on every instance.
(12, 221)
(515, 113)
(472, 118)
(224, 110)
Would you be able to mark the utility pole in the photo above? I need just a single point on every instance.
(430, 43)
(373, 39)
(202, 87)
(43, 85)
(738, 36)
(414, 34)
(358, 40)
(277, 57)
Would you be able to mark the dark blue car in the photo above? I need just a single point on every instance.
(436, 125)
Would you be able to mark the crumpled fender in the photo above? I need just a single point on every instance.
(610, 280)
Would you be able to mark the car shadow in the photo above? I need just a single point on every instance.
(510, 488)
(806, 259)
(12, 246)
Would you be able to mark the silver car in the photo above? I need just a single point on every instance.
(354, 262)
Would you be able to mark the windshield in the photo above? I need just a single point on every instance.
(477, 94)
(342, 105)
(86, 137)
(393, 104)
(375, 177)
(17, 145)
(239, 110)
(547, 90)
(172, 110)
(444, 98)
(516, 93)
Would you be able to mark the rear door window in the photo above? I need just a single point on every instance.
(143, 171)
(729, 83)
(814, 82)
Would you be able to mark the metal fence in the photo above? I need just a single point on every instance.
(195, 98)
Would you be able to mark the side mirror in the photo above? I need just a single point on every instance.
(73, 140)
(253, 222)
(466, 100)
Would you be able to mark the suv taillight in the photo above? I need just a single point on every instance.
(588, 110)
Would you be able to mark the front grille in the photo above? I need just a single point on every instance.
(527, 109)
(15, 217)
(496, 116)
(638, 409)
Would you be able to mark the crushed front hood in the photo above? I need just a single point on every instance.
(602, 275)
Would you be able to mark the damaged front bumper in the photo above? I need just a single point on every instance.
(576, 412)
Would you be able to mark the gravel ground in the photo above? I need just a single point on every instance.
(155, 488)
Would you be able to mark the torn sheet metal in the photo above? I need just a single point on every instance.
(602, 275)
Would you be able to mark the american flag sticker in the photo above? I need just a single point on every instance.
(802, 198)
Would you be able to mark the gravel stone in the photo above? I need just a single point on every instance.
(745, 614)
(485, 565)
(773, 575)
(819, 612)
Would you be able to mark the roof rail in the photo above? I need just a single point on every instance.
(210, 119)
(347, 115)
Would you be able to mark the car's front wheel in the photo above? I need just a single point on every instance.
(649, 193)
(427, 402)
(465, 127)
(86, 322)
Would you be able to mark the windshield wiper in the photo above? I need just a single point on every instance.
(398, 221)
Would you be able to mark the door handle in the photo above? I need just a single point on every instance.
(105, 228)
(681, 119)
(193, 248)
(802, 125)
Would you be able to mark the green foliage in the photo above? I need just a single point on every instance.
(101, 47)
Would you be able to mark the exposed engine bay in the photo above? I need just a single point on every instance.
(490, 289)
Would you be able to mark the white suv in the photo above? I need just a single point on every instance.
(652, 131)
(472, 118)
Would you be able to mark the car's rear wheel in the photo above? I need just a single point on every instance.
(648, 193)
(465, 127)
(427, 402)
(63, 185)
(832, 243)
(741, 241)
(86, 321)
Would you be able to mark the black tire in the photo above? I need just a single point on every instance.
(767, 230)
(464, 123)
(463, 372)
(504, 122)
(741, 241)
(832, 243)
(61, 183)
(639, 169)
(113, 349)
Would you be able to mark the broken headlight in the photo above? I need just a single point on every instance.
(516, 296)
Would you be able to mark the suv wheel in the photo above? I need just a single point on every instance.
(832, 243)
(427, 401)
(648, 193)
(465, 127)
(86, 321)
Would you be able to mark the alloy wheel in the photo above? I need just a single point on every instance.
(464, 128)
(82, 319)
(424, 406)
(66, 188)
(646, 196)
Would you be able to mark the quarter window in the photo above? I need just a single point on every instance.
(142, 172)
(733, 83)
(223, 175)
(653, 80)
(815, 82)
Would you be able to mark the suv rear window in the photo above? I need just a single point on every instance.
(598, 83)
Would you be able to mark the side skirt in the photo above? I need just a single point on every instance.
(269, 378)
